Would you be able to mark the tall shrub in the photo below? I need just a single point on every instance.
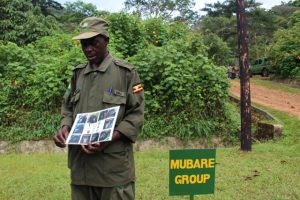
(285, 53)
(179, 76)
(186, 94)
(22, 23)
(126, 33)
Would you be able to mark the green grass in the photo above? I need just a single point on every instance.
(275, 85)
(267, 172)
(34, 176)
(291, 126)
(270, 171)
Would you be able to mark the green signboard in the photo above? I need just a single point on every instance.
(192, 171)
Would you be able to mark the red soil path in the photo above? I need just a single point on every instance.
(276, 99)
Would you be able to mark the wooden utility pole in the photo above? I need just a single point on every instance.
(244, 77)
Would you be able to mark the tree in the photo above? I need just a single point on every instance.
(127, 36)
(75, 12)
(47, 6)
(227, 8)
(21, 23)
(223, 27)
(285, 51)
(218, 50)
(294, 19)
(163, 8)
(81, 9)
(245, 81)
(219, 9)
(284, 10)
(294, 3)
(261, 26)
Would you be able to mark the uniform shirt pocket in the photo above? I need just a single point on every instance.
(116, 157)
(114, 99)
(75, 98)
(74, 102)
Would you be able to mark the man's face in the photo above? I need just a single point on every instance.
(94, 48)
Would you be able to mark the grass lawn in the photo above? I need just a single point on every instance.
(275, 85)
(270, 171)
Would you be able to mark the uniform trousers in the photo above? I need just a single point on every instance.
(84, 192)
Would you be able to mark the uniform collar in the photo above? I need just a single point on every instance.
(102, 67)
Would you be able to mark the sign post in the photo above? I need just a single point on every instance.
(192, 172)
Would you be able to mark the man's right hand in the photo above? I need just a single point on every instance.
(60, 136)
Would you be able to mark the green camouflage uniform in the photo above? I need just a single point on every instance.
(109, 85)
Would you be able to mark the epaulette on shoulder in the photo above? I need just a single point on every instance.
(80, 66)
(123, 63)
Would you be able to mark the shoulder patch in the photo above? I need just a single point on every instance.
(123, 63)
(80, 66)
(137, 88)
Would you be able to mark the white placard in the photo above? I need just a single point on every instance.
(93, 127)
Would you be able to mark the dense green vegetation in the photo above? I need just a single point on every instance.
(285, 52)
(178, 58)
(22, 23)
(182, 85)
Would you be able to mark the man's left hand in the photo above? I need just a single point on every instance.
(93, 148)
(96, 147)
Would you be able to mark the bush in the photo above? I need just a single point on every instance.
(129, 34)
(186, 94)
(156, 32)
(36, 76)
(178, 76)
(285, 53)
(194, 124)
(33, 125)
(22, 23)
(126, 33)
(218, 51)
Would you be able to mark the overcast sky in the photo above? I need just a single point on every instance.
(117, 5)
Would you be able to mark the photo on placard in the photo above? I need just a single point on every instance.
(74, 139)
(93, 118)
(82, 119)
(111, 112)
(108, 123)
(103, 114)
(78, 128)
(104, 135)
(85, 139)
(91, 128)
(95, 137)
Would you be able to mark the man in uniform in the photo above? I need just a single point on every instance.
(105, 170)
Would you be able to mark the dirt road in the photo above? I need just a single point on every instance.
(276, 99)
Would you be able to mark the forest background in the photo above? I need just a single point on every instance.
(180, 56)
